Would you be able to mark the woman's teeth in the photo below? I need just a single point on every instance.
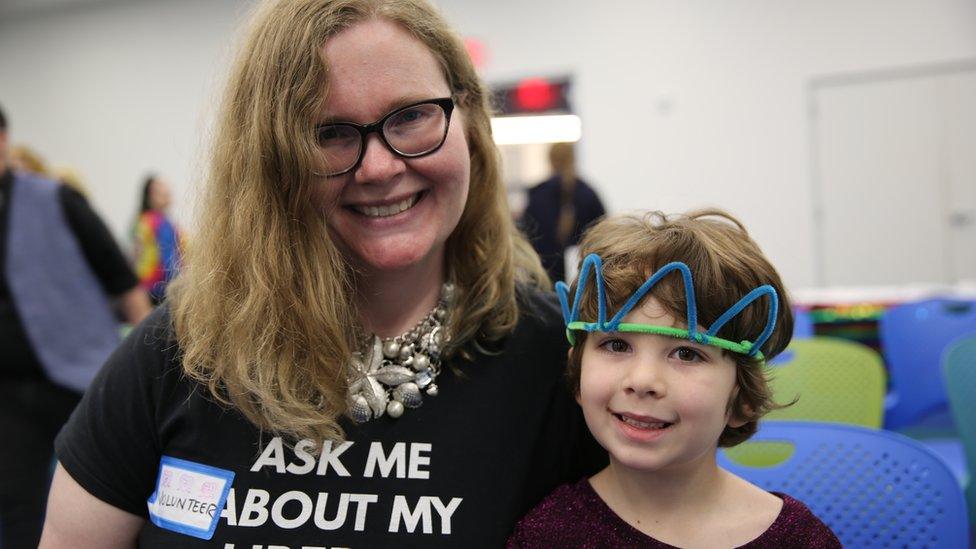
(643, 424)
(386, 211)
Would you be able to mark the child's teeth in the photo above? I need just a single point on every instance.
(643, 424)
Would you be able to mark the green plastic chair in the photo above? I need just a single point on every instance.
(959, 367)
(832, 380)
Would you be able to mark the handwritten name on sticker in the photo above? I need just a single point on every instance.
(189, 496)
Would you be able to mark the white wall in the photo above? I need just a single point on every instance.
(117, 89)
(684, 104)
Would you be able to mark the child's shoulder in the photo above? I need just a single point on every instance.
(783, 521)
(573, 515)
(555, 518)
(796, 526)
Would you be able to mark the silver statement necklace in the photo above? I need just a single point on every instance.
(388, 375)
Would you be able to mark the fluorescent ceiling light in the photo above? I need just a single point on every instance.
(521, 130)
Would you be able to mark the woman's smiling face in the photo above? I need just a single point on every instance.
(390, 212)
(655, 402)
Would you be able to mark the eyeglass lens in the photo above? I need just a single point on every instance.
(412, 131)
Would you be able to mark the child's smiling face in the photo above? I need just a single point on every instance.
(655, 402)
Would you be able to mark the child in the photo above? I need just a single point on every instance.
(664, 370)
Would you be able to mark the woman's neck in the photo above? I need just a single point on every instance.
(392, 302)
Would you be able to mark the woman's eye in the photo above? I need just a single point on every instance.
(687, 354)
(332, 136)
(409, 116)
(615, 345)
(328, 133)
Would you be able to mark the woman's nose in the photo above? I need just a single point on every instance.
(379, 163)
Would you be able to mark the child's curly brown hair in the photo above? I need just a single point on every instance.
(726, 264)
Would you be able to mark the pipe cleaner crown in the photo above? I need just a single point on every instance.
(593, 263)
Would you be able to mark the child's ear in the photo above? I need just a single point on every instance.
(735, 417)
(569, 354)
(735, 422)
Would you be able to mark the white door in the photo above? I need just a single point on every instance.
(958, 102)
(895, 178)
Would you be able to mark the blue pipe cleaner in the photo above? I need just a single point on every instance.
(593, 263)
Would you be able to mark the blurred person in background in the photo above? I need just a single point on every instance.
(59, 269)
(158, 248)
(69, 176)
(558, 210)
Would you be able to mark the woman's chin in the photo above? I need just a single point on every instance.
(397, 255)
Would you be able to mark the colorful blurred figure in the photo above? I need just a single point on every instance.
(158, 248)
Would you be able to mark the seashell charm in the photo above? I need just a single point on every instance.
(359, 410)
(393, 375)
(409, 395)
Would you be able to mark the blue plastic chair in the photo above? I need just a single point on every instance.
(959, 366)
(802, 324)
(872, 488)
(913, 338)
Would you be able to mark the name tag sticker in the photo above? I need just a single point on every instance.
(189, 497)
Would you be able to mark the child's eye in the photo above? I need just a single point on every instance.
(615, 345)
(688, 354)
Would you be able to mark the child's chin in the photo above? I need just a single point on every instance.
(640, 463)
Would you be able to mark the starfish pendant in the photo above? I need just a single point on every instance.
(367, 396)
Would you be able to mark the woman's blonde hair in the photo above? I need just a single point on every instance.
(262, 311)
(725, 263)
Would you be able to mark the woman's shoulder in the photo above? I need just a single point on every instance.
(539, 306)
(157, 329)
(112, 443)
(540, 329)
(149, 352)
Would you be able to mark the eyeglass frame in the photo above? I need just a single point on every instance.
(445, 103)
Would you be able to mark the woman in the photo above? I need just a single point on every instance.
(559, 209)
(157, 247)
(359, 353)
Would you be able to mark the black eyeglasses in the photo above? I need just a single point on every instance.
(410, 132)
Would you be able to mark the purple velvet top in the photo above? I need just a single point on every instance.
(575, 516)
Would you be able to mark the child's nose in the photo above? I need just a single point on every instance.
(646, 379)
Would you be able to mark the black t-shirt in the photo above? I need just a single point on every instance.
(100, 250)
(457, 472)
